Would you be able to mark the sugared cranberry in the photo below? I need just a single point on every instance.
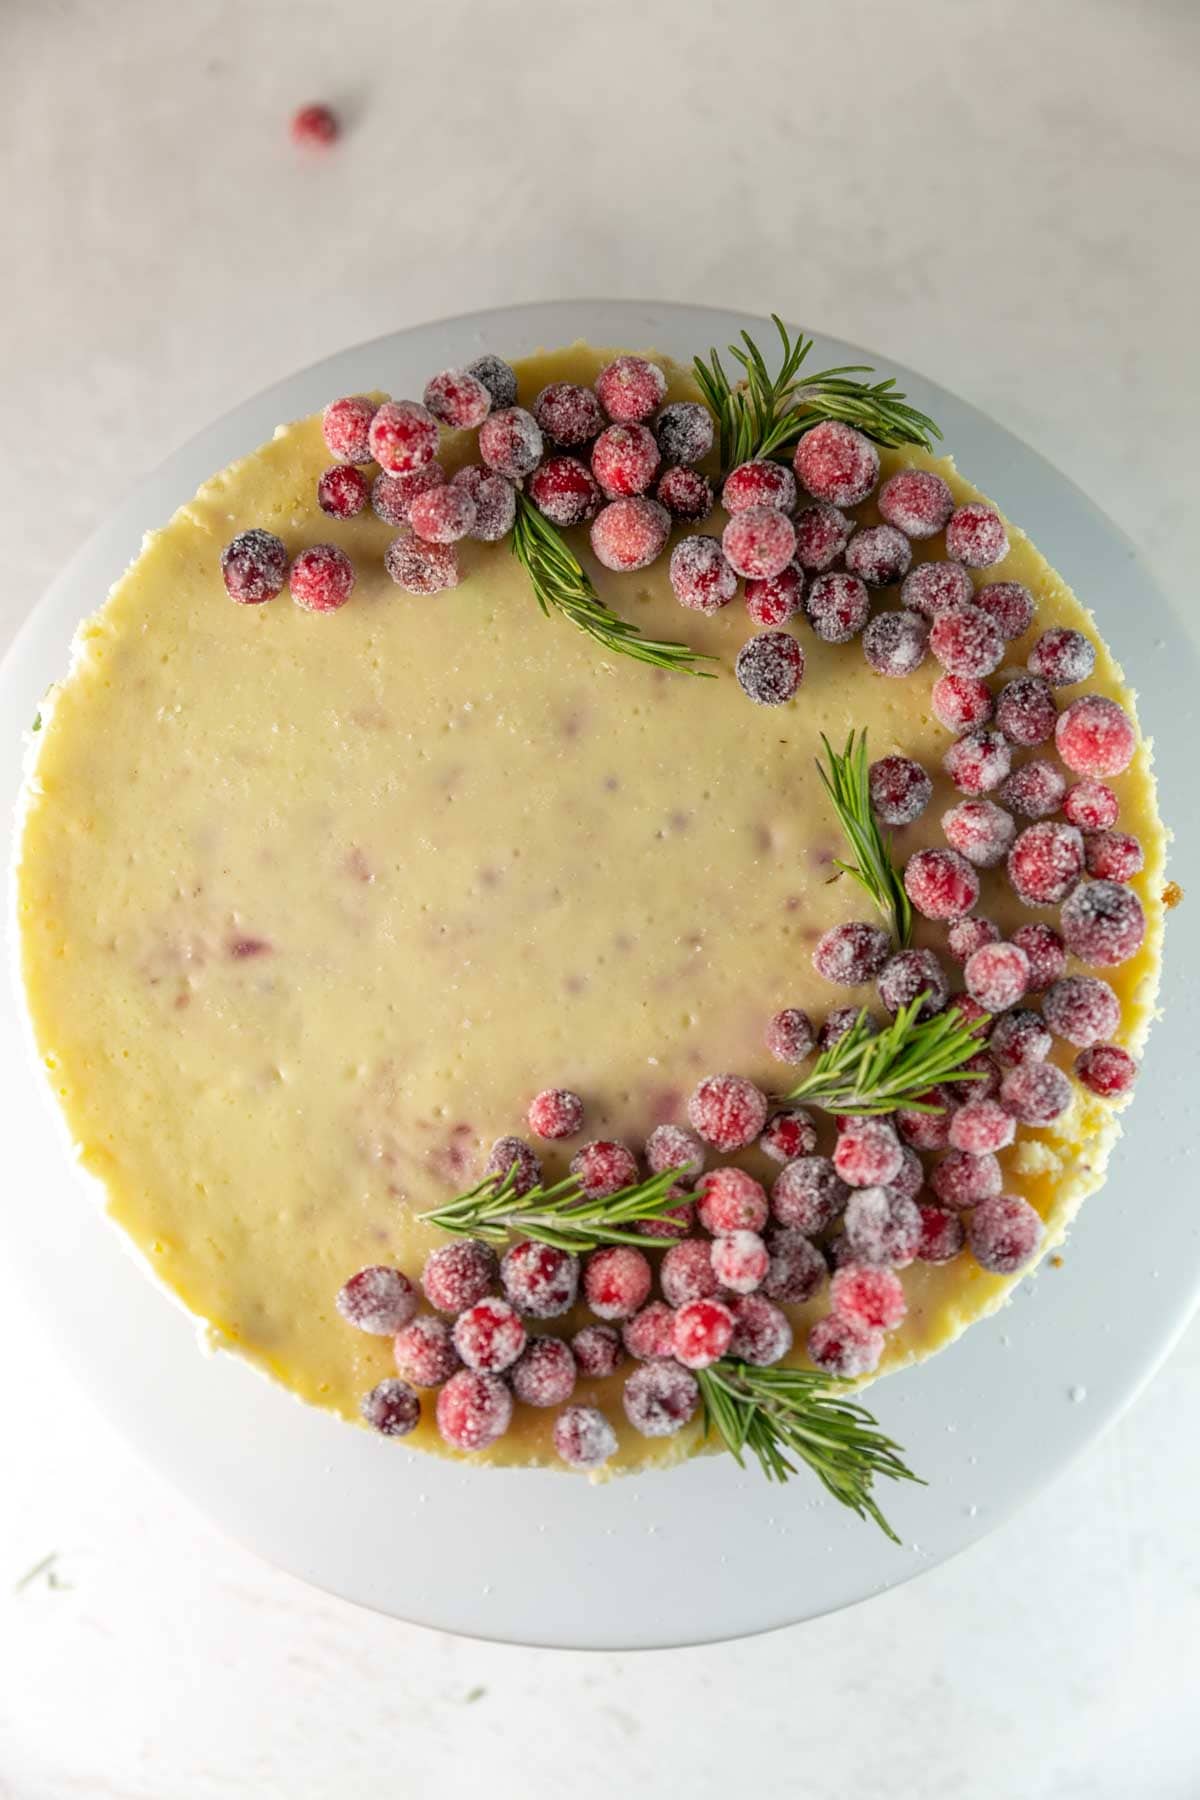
(378, 1300)
(917, 501)
(980, 831)
(808, 1195)
(788, 1134)
(913, 972)
(616, 1281)
(1095, 736)
(442, 515)
(869, 1295)
(685, 493)
(961, 702)
(975, 535)
(851, 954)
(728, 1111)
(631, 389)
(762, 1333)
(1036, 1093)
(555, 1113)
(568, 414)
(539, 1280)
(625, 460)
(1045, 862)
(836, 463)
(489, 1336)
(728, 1200)
(513, 1153)
(457, 399)
(966, 641)
(403, 436)
(911, 1177)
(1062, 656)
(1091, 806)
(770, 667)
(838, 606)
(511, 442)
(473, 1410)
(822, 533)
(759, 542)
(583, 1437)
(342, 491)
(844, 1348)
(1103, 923)
(790, 1036)
(391, 1407)
(895, 643)
(647, 1336)
(700, 574)
(997, 976)
(941, 884)
(672, 1223)
(971, 1014)
(674, 1147)
(684, 430)
(497, 377)
(1004, 1234)
(345, 426)
(1019, 1036)
(776, 601)
(978, 762)
(544, 1375)
(603, 1167)
(418, 567)
(1112, 855)
(965, 936)
(1026, 711)
(796, 1269)
(425, 1353)
(254, 567)
(879, 555)
(316, 127)
(1083, 1009)
(1009, 604)
(1035, 790)
(761, 483)
(1046, 953)
(597, 1350)
(392, 495)
(702, 1332)
(900, 789)
(458, 1275)
(844, 1018)
(564, 491)
(660, 1398)
(630, 534)
(882, 1226)
(740, 1261)
(927, 1130)
(321, 578)
(1107, 1070)
(934, 587)
(686, 1272)
(867, 1153)
(942, 1234)
(981, 1127)
(961, 1179)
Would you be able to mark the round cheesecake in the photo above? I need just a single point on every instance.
(312, 906)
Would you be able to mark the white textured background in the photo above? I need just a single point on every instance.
(1002, 195)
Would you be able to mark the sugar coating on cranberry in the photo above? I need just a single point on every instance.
(836, 463)
(927, 1130)
(942, 1234)
(674, 1147)
(425, 1353)
(403, 436)
(512, 1155)
(1106, 1070)
(917, 501)
(1112, 855)
(458, 1275)
(1045, 862)
(762, 1332)
(796, 1269)
(979, 830)
(982, 1127)
(843, 1347)
(343, 491)
(377, 1300)
(702, 1332)
(648, 1335)
(700, 574)
(867, 1153)
(686, 1272)
(788, 1134)
(965, 936)
(838, 606)
(1020, 1035)
(790, 1035)
(728, 1200)
(962, 702)
(882, 1226)
(392, 495)
(1035, 790)
(851, 954)
(321, 579)
(442, 515)
(545, 1373)
(986, 1071)
(568, 414)
(900, 789)
(346, 426)
(978, 762)
(511, 442)
(966, 641)
(760, 483)
(630, 534)
(879, 555)
(869, 1295)
(457, 399)
(597, 1350)
(391, 1407)
(776, 601)
(685, 493)
(1027, 711)
(489, 1336)
(910, 973)
(1062, 656)
(759, 542)
(808, 1195)
(583, 1437)
(740, 1261)
(975, 535)
(1091, 805)
(631, 389)
(539, 1280)
(684, 430)
(564, 491)
(1036, 1093)
(1082, 1009)
(555, 1113)
(603, 1167)
(895, 643)
(1046, 953)
(625, 460)
(660, 1398)
(616, 1281)
(963, 1179)
(822, 533)
(497, 377)
(419, 567)
(941, 884)
(474, 1409)
(1095, 736)
(1009, 604)
(770, 667)
(844, 1018)
(728, 1111)
(1004, 1234)
(1103, 923)
(254, 567)
(934, 587)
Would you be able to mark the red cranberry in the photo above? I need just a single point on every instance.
(511, 442)
(965, 936)
(900, 789)
(980, 831)
(762, 1333)
(843, 1018)
(685, 433)
(961, 702)
(456, 1276)
(316, 127)
(700, 575)
(1095, 736)
(631, 389)
(660, 1398)
(759, 542)
(851, 954)
(917, 501)
(597, 1350)
(788, 1134)
(961, 1179)
(981, 1127)
(978, 762)
(702, 1332)
(808, 1195)
(686, 1272)
(1112, 855)
(927, 1130)
(342, 491)
(913, 972)
(403, 437)
(545, 1373)
(1026, 711)
(392, 495)
(976, 536)
(496, 376)
(473, 1410)
(869, 1295)
(879, 555)
(489, 1336)
(604, 1167)
(1083, 1009)
(1062, 656)
(759, 483)
(1107, 1070)
(391, 1407)
(1046, 862)
(616, 1281)
(1091, 806)
(442, 515)
(1045, 951)
(513, 1153)
(882, 1226)
(728, 1111)
(941, 884)
(942, 1234)
(378, 1300)
(836, 463)
(895, 643)
(1004, 1234)
(934, 587)
(555, 1113)
(790, 1035)
(740, 1261)
(685, 493)
(254, 567)
(911, 1178)
(418, 567)
(425, 1353)
(1035, 790)
(583, 1437)
(729, 1200)
(822, 533)
(564, 491)
(676, 1222)
(1019, 1036)
(843, 1347)
(648, 1335)
(674, 1147)
(457, 400)
(625, 460)
(770, 667)
(970, 1014)
(1103, 923)
(345, 426)
(321, 579)
(775, 602)
(1035, 1093)
(1009, 604)
(838, 606)
(867, 1153)
(539, 1280)
(966, 641)
(568, 414)
(796, 1269)
(630, 534)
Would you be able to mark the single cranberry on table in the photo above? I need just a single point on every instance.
(1062, 656)
(616, 1281)
(686, 1272)
(978, 762)
(941, 884)
(1103, 923)
(759, 542)
(867, 1153)
(1106, 1070)
(419, 567)
(934, 587)
(797, 1269)
(979, 830)
(790, 1036)
(1004, 1234)
(838, 606)
(489, 1336)
(648, 1335)
(1036, 1093)
(740, 1261)
(539, 1280)
(770, 668)
(631, 389)
(1045, 951)
(1035, 790)
(961, 702)
(1009, 604)
(555, 1113)
(1113, 855)
(315, 126)
(474, 1410)
(1027, 711)
(760, 483)
(776, 601)
(965, 936)
(868, 1294)
(975, 536)
(442, 515)
(1021, 1035)
(674, 1147)
(1095, 736)
(458, 1275)
(630, 534)
(822, 533)
(729, 1199)
(851, 954)
(917, 501)
(625, 460)
(321, 578)
(403, 436)
(346, 426)
(900, 789)
(515, 1160)
(583, 1437)
(392, 495)
(343, 491)
(660, 1398)
(981, 1127)
(808, 1195)
(545, 1373)
(966, 641)
(1091, 805)
(836, 463)
(963, 1179)
(457, 399)
(1046, 862)
(895, 643)
(378, 1300)
(700, 574)
(568, 414)
(254, 567)
(511, 442)
(603, 1167)
(701, 1333)
(910, 973)
(787, 1134)
(844, 1348)
(684, 430)
(425, 1353)
(497, 377)
(762, 1331)
(391, 1407)
(685, 493)
(942, 1234)
(564, 491)
(1082, 1009)
(879, 555)
(597, 1350)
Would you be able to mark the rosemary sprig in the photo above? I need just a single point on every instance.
(879, 1072)
(761, 414)
(561, 584)
(847, 783)
(779, 1414)
(560, 1215)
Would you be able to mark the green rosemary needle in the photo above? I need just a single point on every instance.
(846, 780)
(880, 1072)
(561, 1215)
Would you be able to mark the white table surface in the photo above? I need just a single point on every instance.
(1029, 241)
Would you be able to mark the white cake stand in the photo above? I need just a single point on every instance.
(702, 1552)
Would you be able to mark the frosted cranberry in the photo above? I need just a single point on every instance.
(568, 414)
(497, 377)
(1107, 1070)
(961, 702)
(976, 536)
(1036, 1093)
(729, 1200)
(630, 534)
(403, 436)
(927, 1130)
(1009, 604)
(941, 884)
(604, 1167)
(966, 641)
(686, 1272)
(685, 493)
(254, 567)
(513, 1153)
(961, 1179)
(1062, 656)
(489, 1336)
(934, 587)
(597, 1351)
(882, 1226)
(625, 460)
(564, 491)
(545, 1373)
(321, 579)
(631, 389)
(1103, 923)
(342, 491)
(702, 1331)
(457, 400)
(770, 667)
(511, 442)
(917, 501)
(978, 762)
(1083, 1009)
(836, 463)
(442, 515)
(942, 1234)
(1112, 855)
(1026, 711)
(911, 1176)
(822, 533)
(316, 127)
(391, 1407)
(838, 606)
(539, 1280)
(1045, 862)
(1019, 1036)
(684, 430)
(392, 495)
(378, 1300)
(648, 1335)
(1046, 953)
(739, 1260)
(1004, 1234)
(790, 1036)
(843, 1347)
(676, 1222)
(965, 936)
(555, 1113)
(418, 567)
(970, 1013)
(674, 1147)
(473, 1410)
(851, 954)
(879, 555)
(776, 601)
(868, 1295)
(867, 1153)
(616, 1281)
(980, 831)
(1095, 736)
(1091, 806)
(762, 1333)
(759, 542)
(981, 1127)
(796, 1270)
(761, 483)
(728, 1111)
(788, 1134)
(660, 1398)
(583, 1437)
(345, 426)
(895, 643)
(843, 1018)
(700, 575)
(913, 972)
(458, 1275)
(900, 789)
(425, 1353)
(1035, 790)
(808, 1195)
